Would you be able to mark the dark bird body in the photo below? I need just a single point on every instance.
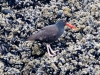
(50, 33)
(44, 34)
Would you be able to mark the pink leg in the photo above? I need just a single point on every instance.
(51, 50)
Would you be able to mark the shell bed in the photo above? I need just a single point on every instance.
(79, 51)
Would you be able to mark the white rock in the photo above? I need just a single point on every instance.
(1, 65)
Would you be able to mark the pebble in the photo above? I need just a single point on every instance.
(1, 72)
(1, 65)
(54, 66)
(13, 71)
(6, 11)
(36, 50)
(66, 11)
(84, 72)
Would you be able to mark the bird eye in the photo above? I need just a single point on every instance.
(64, 20)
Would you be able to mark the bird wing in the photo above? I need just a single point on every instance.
(46, 34)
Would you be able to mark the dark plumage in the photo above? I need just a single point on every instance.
(50, 33)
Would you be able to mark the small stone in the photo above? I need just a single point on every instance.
(12, 71)
(59, 64)
(74, 62)
(36, 50)
(14, 47)
(6, 11)
(66, 11)
(79, 36)
(28, 44)
(86, 57)
(80, 63)
(84, 72)
(93, 8)
(10, 35)
(97, 72)
(1, 65)
(1, 72)
(97, 67)
(62, 59)
(99, 51)
(71, 48)
(83, 40)
(54, 66)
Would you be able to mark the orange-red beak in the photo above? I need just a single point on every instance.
(70, 25)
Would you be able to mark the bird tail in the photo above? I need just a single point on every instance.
(31, 38)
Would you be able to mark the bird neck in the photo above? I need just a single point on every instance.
(60, 26)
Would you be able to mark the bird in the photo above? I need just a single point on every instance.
(50, 33)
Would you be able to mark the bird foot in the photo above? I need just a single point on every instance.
(50, 51)
(53, 53)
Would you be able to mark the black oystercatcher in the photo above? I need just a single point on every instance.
(51, 33)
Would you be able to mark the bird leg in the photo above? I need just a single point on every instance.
(50, 50)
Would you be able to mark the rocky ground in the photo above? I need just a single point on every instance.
(79, 51)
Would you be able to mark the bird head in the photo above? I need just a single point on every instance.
(62, 23)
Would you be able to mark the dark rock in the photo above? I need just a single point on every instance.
(44, 1)
(67, 72)
(73, 38)
(6, 11)
(0, 8)
(4, 49)
(79, 52)
(96, 54)
(3, 1)
(48, 70)
(19, 6)
(1, 27)
(59, 15)
(13, 2)
(18, 15)
(73, 56)
(27, 4)
(5, 61)
(34, 70)
(15, 41)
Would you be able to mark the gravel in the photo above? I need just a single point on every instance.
(79, 51)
